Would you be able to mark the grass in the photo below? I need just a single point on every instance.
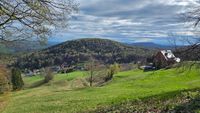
(62, 96)
(3, 101)
(181, 101)
(29, 81)
(70, 76)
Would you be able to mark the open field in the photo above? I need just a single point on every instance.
(68, 94)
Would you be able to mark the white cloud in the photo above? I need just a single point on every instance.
(143, 40)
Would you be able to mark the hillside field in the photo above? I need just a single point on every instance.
(68, 94)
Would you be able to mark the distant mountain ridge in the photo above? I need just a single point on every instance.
(151, 45)
(76, 51)
(26, 46)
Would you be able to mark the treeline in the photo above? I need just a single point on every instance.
(189, 53)
(10, 79)
(76, 51)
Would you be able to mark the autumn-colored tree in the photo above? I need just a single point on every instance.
(4, 80)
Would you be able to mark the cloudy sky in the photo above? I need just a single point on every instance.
(129, 20)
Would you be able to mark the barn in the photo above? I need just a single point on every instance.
(164, 58)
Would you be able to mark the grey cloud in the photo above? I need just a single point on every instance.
(128, 20)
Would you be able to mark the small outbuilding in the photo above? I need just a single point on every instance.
(165, 58)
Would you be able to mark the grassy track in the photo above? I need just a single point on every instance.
(62, 95)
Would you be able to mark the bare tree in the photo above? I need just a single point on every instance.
(48, 74)
(190, 52)
(33, 19)
(192, 19)
(93, 68)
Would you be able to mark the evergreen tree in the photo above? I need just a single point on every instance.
(16, 79)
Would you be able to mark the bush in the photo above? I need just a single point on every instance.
(113, 69)
(16, 79)
(61, 71)
(4, 85)
(4, 80)
(48, 75)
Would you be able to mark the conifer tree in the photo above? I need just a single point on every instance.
(16, 79)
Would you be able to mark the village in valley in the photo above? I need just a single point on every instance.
(162, 59)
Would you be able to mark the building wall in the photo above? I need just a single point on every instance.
(160, 61)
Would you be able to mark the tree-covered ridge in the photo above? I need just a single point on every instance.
(77, 51)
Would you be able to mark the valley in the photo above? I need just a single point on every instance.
(99, 56)
(66, 93)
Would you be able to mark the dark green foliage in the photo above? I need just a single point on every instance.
(77, 51)
(69, 70)
(17, 81)
(66, 70)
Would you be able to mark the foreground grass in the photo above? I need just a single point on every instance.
(62, 95)
(4, 101)
(181, 101)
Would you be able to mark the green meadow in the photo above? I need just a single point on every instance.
(68, 93)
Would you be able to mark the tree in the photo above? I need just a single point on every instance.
(192, 17)
(92, 67)
(48, 75)
(190, 52)
(26, 19)
(113, 69)
(4, 80)
(16, 79)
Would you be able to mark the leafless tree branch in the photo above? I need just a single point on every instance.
(25, 19)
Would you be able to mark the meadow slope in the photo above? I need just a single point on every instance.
(67, 93)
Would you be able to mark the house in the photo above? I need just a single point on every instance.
(36, 72)
(55, 69)
(28, 73)
(147, 68)
(64, 68)
(164, 58)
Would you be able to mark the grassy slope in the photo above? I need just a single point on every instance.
(180, 101)
(59, 96)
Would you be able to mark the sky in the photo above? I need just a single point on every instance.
(129, 21)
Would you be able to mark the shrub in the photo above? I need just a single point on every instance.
(4, 80)
(61, 71)
(113, 69)
(48, 75)
(16, 79)
(92, 67)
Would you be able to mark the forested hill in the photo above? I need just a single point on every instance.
(77, 51)
(189, 53)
